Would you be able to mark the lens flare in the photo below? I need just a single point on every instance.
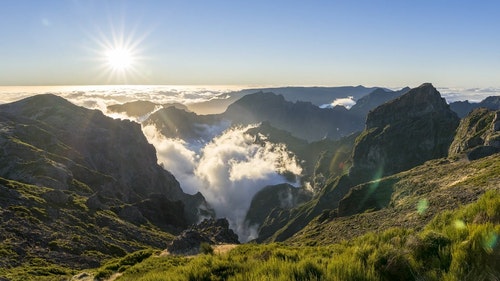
(422, 206)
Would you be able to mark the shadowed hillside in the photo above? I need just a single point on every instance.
(77, 186)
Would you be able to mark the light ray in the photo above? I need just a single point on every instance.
(118, 53)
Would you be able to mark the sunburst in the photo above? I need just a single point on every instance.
(119, 54)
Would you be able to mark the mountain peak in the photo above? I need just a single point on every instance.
(415, 103)
(405, 132)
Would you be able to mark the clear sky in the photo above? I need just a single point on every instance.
(272, 42)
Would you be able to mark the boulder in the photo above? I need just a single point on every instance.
(209, 231)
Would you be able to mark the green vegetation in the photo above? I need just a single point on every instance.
(455, 245)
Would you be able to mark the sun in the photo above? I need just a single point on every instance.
(119, 53)
(119, 59)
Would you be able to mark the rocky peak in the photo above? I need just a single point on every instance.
(403, 133)
(478, 134)
(416, 103)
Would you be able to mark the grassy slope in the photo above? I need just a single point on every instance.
(455, 245)
(41, 240)
(436, 186)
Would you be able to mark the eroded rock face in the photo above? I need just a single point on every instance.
(478, 134)
(403, 133)
(209, 231)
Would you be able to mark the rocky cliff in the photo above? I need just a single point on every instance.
(403, 133)
(478, 134)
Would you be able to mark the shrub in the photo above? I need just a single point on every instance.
(206, 248)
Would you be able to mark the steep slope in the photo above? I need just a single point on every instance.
(408, 199)
(478, 134)
(302, 119)
(399, 135)
(403, 133)
(318, 159)
(76, 170)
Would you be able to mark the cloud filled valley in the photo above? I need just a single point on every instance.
(228, 170)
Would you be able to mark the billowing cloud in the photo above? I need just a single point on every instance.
(228, 171)
(347, 102)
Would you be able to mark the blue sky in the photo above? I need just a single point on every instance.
(373, 43)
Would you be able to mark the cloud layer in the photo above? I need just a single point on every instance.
(228, 171)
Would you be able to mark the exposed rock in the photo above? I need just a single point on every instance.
(209, 231)
(479, 152)
(478, 134)
(403, 133)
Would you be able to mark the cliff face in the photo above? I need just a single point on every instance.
(50, 142)
(403, 133)
(478, 134)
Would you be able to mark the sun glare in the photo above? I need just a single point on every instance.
(119, 58)
(120, 55)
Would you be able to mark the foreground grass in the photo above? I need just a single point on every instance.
(459, 245)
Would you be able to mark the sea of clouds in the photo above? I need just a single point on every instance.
(99, 97)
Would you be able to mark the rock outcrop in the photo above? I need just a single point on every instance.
(403, 133)
(478, 134)
(213, 232)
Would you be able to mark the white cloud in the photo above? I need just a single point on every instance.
(346, 102)
(228, 171)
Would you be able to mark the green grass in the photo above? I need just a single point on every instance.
(455, 245)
